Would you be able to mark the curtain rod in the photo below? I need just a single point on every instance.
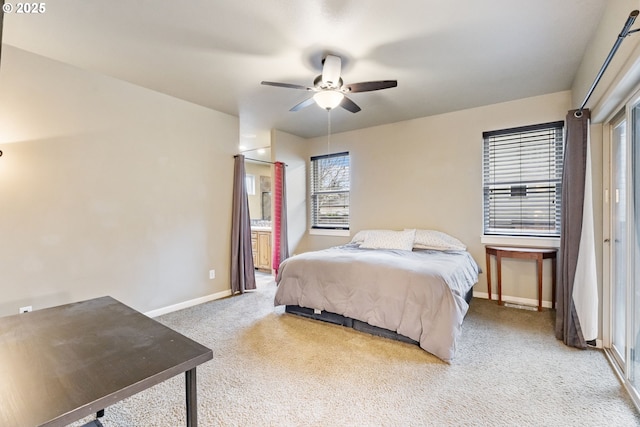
(624, 33)
(261, 161)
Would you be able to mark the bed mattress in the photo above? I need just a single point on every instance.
(418, 294)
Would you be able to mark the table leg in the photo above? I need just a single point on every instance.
(192, 398)
(539, 272)
(499, 268)
(489, 275)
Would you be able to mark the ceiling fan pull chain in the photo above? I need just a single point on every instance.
(328, 131)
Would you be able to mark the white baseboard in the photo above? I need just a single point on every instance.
(186, 304)
(514, 300)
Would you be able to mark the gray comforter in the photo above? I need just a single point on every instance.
(417, 294)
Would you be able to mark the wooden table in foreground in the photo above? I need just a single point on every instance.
(61, 364)
(538, 254)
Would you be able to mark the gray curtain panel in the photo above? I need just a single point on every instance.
(242, 270)
(573, 186)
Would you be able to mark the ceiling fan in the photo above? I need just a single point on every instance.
(330, 90)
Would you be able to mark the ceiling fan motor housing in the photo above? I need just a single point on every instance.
(320, 84)
(331, 68)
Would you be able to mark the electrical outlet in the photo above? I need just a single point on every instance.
(26, 309)
(212, 274)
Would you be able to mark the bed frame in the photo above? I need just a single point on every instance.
(358, 325)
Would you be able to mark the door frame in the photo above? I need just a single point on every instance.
(620, 367)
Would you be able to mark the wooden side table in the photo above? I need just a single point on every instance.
(537, 254)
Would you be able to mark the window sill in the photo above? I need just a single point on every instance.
(531, 242)
(329, 232)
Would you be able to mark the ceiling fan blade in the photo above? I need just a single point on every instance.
(349, 105)
(369, 86)
(303, 104)
(331, 68)
(287, 85)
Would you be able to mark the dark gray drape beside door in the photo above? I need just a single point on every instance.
(577, 286)
(242, 270)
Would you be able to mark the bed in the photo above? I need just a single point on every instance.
(411, 285)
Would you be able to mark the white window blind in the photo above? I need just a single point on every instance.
(522, 180)
(330, 181)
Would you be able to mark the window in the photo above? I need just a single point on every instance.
(330, 179)
(522, 180)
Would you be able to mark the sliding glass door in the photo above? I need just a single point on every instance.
(633, 304)
(624, 262)
(618, 240)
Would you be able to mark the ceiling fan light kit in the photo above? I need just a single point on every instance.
(329, 89)
(328, 99)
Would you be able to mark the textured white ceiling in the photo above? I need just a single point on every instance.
(446, 55)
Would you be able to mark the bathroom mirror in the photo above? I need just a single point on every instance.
(258, 175)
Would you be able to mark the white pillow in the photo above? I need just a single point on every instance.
(387, 239)
(361, 235)
(432, 239)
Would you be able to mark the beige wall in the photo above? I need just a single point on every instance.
(427, 173)
(107, 188)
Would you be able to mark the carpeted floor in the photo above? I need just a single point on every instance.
(274, 369)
